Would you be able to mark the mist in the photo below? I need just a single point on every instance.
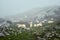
(13, 7)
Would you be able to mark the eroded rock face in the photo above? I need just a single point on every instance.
(1, 34)
(3, 27)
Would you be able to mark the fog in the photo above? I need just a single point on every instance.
(13, 7)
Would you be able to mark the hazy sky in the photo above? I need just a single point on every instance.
(11, 7)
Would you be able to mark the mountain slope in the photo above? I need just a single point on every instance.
(39, 14)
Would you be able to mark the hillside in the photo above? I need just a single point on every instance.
(38, 14)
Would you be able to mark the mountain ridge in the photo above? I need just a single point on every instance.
(38, 13)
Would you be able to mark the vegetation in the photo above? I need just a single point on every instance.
(46, 32)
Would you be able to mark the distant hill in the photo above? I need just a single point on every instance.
(1, 20)
(38, 14)
(4, 22)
